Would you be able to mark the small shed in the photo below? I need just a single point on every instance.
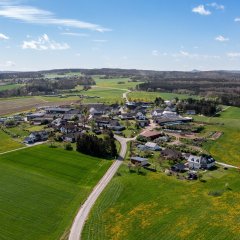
(142, 161)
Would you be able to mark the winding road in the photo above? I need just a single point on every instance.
(82, 215)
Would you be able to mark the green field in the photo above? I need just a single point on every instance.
(41, 189)
(156, 206)
(9, 86)
(121, 83)
(7, 143)
(151, 96)
(226, 148)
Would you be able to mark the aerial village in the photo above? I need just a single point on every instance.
(161, 137)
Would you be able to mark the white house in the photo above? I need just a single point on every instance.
(197, 162)
(157, 113)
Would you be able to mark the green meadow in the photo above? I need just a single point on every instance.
(42, 188)
(156, 206)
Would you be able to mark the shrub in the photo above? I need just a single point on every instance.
(68, 147)
(217, 193)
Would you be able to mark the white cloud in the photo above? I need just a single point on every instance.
(221, 38)
(30, 14)
(8, 64)
(201, 10)
(44, 43)
(155, 53)
(185, 54)
(100, 40)
(216, 6)
(75, 34)
(237, 19)
(3, 37)
(233, 54)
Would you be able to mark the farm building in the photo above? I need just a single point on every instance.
(151, 134)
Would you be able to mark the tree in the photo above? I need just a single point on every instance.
(128, 124)
(93, 124)
(85, 116)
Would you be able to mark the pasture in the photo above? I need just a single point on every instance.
(156, 206)
(41, 190)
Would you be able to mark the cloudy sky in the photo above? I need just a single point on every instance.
(153, 34)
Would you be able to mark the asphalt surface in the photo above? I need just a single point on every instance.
(82, 215)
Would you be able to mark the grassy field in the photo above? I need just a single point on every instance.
(226, 148)
(106, 95)
(7, 143)
(151, 96)
(41, 189)
(121, 83)
(9, 87)
(156, 206)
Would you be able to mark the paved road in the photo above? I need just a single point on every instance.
(226, 165)
(82, 215)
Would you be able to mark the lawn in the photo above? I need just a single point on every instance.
(156, 206)
(7, 143)
(226, 148)
(41, 189)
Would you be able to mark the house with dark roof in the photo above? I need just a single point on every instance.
(139, 160)
(151, 134)
(38, 136)
(71, 137)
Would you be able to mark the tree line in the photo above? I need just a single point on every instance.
(202, 106)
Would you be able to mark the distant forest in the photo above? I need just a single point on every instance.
(40, 86)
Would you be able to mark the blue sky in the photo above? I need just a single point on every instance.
(154, 34)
